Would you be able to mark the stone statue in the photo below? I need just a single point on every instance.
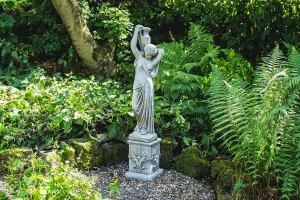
(146, 68)
(144, 146)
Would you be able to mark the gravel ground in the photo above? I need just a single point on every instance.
(170, 185)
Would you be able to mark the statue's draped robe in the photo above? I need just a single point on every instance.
(143, 95)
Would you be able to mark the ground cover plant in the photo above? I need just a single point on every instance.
(38, 178)
(46, 109)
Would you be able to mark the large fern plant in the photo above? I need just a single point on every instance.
(260, 123)
(183, 66)
(184, 79)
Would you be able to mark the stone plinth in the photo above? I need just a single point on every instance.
(143, 158)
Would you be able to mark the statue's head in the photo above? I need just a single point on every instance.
(150, 51)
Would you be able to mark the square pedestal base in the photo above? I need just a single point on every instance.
(143, 177)
(144, 160)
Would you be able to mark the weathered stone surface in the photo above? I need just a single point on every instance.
(51, 156)
(88, 154)
(16, 153)
(144, 160)
(114, 152)
(218, 166)
(67, 153)
(224, 172)
(143, 177)
(193, 163)
(167, 147)
(223, 196)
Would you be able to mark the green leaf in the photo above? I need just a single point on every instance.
(113, 130)
(3, 52)
(15, 55)
(186, 141)
(3, 196)
(79, 121)
(60, 61)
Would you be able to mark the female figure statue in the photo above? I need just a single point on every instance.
(146, 68)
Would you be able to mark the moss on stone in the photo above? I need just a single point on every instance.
(67, 153)
(192, 163)
(114, 152)
(224, 172)
(51, 156)
(15, 153)
(223, 196)
(88, 154)
(217, 166)
(167, 147)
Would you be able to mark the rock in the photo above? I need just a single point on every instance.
(167, 147)
(223, 196)
(51, 156)
(88, 154)
(102, 137)
(16, 153)
(114, 152)
(67, 153)
(224, 172)
(218, 166)
(193, 163)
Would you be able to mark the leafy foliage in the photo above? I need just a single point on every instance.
(10, 55)
(248, 27)
(107, 22)
(43, 180)
(259, 123)
(184, 79)
(46, 109)
(39, 28)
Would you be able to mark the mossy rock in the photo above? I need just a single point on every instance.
(167, 147)
(218, 166)
(51, 156)
(114, 152)
(16, 153)
(223, 196)
(88, 154)
(192, 163)
(67, 153)
(224, 172)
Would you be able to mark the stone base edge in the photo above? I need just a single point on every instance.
(143, 177)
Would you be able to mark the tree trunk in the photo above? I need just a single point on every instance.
(99, 59)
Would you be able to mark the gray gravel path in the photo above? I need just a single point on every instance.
(171, 185)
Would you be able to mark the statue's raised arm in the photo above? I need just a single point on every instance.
(158, 58)
(134, 40)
